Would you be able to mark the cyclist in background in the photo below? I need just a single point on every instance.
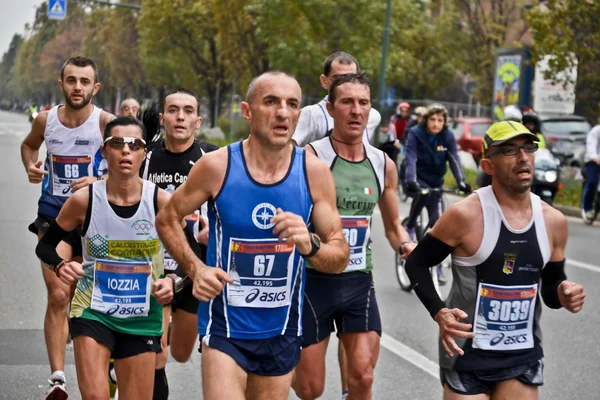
(429, 146)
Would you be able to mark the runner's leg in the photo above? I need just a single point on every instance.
(135, 376)
(91, 362)
(309, 377)
(161, 387)
(362, 350)
(56, 322)
(514, 389)
(184, 332)
(451, 395)
(222, 377)
(343, 361)
(269, 387)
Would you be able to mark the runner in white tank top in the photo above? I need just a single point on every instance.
(72, 134)
(508, 251)
(116, 311)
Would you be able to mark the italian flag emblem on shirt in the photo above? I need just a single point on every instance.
(368, 190)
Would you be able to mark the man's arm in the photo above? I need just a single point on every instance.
(444, 237)
(105, 118)
(31, 146)
(556, 290)
(204, 181)
(333, 257)
(388, 205)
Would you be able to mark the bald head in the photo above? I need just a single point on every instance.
(129, 108)
(270, 77)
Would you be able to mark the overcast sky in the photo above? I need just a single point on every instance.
(15, 14)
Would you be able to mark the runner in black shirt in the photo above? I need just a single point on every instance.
(168, 162)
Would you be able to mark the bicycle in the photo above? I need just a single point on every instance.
(421, 229)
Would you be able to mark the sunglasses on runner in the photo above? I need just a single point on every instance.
(513, 149)
(119, 142)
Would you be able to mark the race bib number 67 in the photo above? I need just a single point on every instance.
(261, 271)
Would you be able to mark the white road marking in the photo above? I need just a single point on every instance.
(579, 264)
(410, 355)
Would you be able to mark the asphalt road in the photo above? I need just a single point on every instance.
(407, 363)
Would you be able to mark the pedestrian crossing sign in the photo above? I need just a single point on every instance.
(57, 9)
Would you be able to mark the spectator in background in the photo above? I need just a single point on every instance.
(129, 108)
(592, 172)
(399, 121)
(415, 119)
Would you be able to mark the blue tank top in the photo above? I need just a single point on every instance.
(266, 297)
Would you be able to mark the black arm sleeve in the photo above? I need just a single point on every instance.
(46, 247)
(429, 252)
(552, 276)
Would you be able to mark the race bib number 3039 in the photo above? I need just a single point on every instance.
(504, 319)
(261, 270)
(122, 289)
(66, 169)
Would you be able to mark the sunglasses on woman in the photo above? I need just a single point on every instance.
(119, 142)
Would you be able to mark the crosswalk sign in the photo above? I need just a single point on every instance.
(57, 9)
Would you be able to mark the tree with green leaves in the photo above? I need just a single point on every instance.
(488, 25)
(570, 31)
(178, 42)
(423, 58)
(8, 90)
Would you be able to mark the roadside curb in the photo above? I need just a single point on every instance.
(566, 210)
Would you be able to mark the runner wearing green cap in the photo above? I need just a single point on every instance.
(503, 239)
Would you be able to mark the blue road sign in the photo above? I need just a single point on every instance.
(57, 9)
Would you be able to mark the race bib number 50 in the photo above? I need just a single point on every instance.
(261, 270)
(504, 319)
(122, 289)
(66, 169)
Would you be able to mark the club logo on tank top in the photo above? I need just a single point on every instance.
(509, 263)
(262, 214)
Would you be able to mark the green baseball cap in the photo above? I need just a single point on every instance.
(503, 131)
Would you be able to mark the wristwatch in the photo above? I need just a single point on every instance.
(315, 241)
(177, 282)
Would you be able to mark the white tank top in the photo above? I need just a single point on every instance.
(122, 257)
(71, 151)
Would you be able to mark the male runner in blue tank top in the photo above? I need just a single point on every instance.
(263, 193)
(72, 134)
(503, 240)
(365, 177)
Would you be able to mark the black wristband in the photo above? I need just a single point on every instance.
(553, 275)
(46, 248)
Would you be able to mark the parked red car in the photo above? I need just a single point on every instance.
(469, 133)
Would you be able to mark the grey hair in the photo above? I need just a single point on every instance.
(130, 99)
